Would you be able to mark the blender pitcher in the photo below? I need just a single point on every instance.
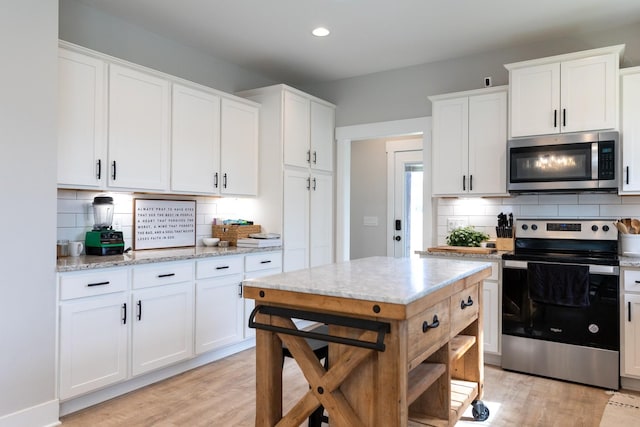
(102, 212)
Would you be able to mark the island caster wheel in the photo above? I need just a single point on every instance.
(479, 411)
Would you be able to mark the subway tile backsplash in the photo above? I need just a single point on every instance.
(482, 213)
(75, 213)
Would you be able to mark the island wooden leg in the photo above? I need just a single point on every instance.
(268, 378)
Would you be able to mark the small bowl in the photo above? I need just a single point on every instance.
(210, 241)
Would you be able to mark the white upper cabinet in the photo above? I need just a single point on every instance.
(139, 123)
(322, 136)
(195, 141)
(239, 148)
(565, 93)
(470, 142)
(82, 154)
(297, 135)
(630, 130)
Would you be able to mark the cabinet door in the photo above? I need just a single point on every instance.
(631, 356)
(195, 141)
(450, 146)
(491, 316)
(535, 100)
(219, 312)
(295, 233)
(296, 130)
(631, 132)
(138, 130)
(588, 93)
(81, 121)
(162, 326)
(239, 148)
(488, 143)
(321, 221)
(93, 343)
(322, 136)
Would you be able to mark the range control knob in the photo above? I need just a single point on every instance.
(534, 227)
(525, 227)
(595, 228)
(605, 228)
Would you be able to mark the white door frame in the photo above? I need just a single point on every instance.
(393, 147)
(344, 136)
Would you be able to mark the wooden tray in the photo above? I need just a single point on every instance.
(462, 249)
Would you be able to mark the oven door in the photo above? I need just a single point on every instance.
(596, 325)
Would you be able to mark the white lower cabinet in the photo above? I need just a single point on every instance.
(93, 335)
(258, 265)
(630, 320)
(162, 326)
(491, 317)
(219, 303)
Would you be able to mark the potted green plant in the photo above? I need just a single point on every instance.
(466, 236)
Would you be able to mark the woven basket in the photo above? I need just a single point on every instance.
(232, 233)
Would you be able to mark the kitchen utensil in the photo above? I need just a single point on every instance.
(62, 248)
(635, 223)
(103, 240)
(75, 248)
(621, 227)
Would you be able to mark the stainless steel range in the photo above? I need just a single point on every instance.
(560, 309)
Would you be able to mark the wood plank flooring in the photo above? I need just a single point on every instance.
(223, 394)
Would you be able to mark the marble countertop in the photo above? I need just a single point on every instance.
(496, 256)
(627, 261)
(87, 262)
(381, 279)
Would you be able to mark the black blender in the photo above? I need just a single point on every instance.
(103, 240)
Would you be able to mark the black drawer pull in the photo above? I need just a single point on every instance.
(434, 324)
(637, 281)
(629, 311)
(139, 309)
(222, 267)
(98, 284)
(166, 275)
(124, 313)
(464, 305)
(268, 261)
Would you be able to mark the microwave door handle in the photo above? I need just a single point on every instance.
(594, 161)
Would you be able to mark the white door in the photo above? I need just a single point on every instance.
(450, 146)
(405, 221)
(295, 230)
(321, 220)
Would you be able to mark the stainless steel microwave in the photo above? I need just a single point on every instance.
(569, 163)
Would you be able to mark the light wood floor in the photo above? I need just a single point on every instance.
(223, 394)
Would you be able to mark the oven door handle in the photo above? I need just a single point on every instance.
(611, 270)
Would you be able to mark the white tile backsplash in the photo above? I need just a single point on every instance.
(75, 213)
(482, 213)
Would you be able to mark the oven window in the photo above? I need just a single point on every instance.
(568, 162)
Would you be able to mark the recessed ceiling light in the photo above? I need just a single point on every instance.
(320, 32)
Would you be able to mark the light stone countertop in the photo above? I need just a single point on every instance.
(627, 261)
(496, 256)
(88, 262)
(380, 279)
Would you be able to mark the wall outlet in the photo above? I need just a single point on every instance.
(453, 223)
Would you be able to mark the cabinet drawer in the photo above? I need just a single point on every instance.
(464, 309)
(263, 261)
(103, 281)
(424, 338)
(162, 274)
(219, 266)
(631, 280)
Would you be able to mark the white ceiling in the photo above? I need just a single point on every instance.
(273, 37)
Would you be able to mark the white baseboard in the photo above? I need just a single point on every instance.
(630, 383)
(93, 398)
(42, 415)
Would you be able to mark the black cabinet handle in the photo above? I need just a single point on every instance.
(99, 167)
(555, 118)
(308, 156)
(265, 262)
(434, 324)
(215, 180)
(224, 181)
(308, 183)
(113, 170)
(637, 281)
(564, 117)
(314, 184)
(139, 309)
(464, 182)
(239, 289)
(315, 157)
(470, 182)
(166, 275)
(629, 310)
(124, 313)
(464, 305)
(222, 267)
(98, 284)
(627, 168)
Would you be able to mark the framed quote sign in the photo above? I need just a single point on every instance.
(163, 223)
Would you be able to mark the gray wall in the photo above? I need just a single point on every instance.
(402, 94)
(28, 215)
(368, 197)
(88, 27)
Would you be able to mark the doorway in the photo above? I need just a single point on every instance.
(405, 197)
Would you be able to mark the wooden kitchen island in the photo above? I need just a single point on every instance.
(405, 341)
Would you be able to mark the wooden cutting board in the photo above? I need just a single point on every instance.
(462, 249)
